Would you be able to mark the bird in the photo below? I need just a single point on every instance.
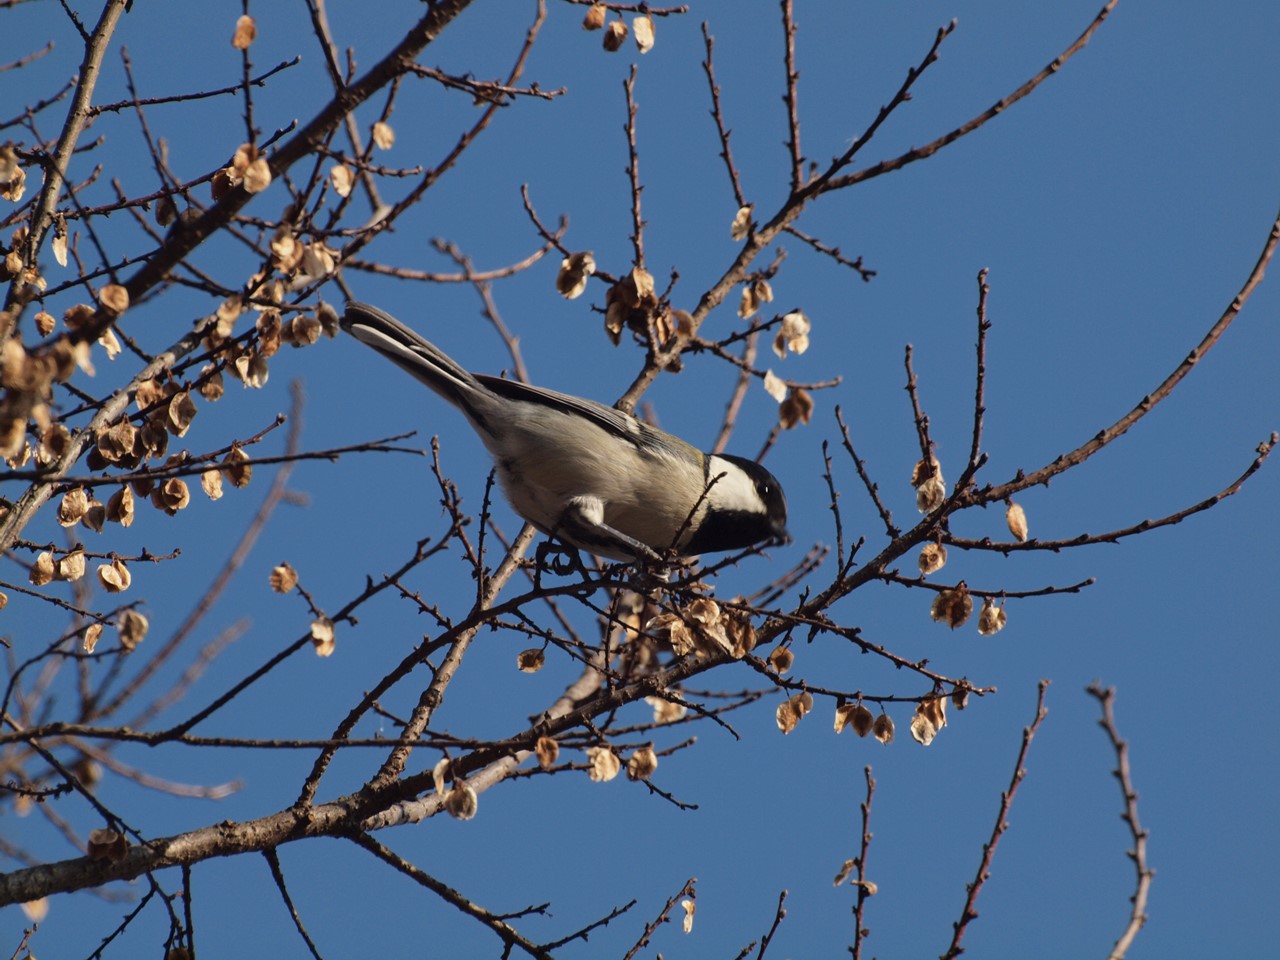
(589, 475)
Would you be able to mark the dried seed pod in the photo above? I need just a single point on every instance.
(133, 628)
(323, 637)
(991, 619)
(882, 729)
(953, 606)
(793, 334)
(107, 844)
(615, 35)
(595, 17)
(796, 409)
(283, 578)
(933, 557)
(931, 489)
(1016, 518)
(575, 270)
(929, 718)
(642, 30)
(246, 32)
(114, 576)
(461, 802)
(547, 751)
(384, 137)
(531, 660)
(642, 763)
(604, 764)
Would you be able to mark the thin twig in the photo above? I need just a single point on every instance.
(1142, 889)
(1002, 824)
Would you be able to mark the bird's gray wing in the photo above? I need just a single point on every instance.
(607, 418)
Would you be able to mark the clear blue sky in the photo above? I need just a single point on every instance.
(1118, 210)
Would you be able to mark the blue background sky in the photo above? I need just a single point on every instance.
(1118, 211)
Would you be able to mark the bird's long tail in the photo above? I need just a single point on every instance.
(411, 352)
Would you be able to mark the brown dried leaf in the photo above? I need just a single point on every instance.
(283, 578)
(114, 299)
(237, 468)
(384, 137)
(133, 628)
(171, 496)
(166, 211)
(775, 386)
(107, 844)
(575, 270)
(882, 729)
(74, 505)
(12, 177)
(862, 720)
(461, 802)
(991, 619)
(303, 330)
(120, 507)
(251, 368)
(642, 763)
(604, 764)
(665, 710)
(548, 751)
(793, 335)
(211, 387)
(116, 443)
(741, 226)
(531, 661)
(953, 606)
(71, 567)
(671, 627)
(594, 19)
(54, 442)
(328, 318)
(149, 393)
(322, 636)
(688, 906)
(246, 33)
(930, 717)
(211, 483)
(342, 179)
(182, 410)
(796, 409)
(438, 774)
(933, 557)
(846, 869)
(114, 576)
(781, 658)
(844, 716)
(1016, 518)
(43, 570)
(642, 30)
(615, 35)
(45, 323)
(931, 489)
(92, 634)
(791, 710)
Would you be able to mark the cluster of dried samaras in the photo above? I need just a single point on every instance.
(954, 606)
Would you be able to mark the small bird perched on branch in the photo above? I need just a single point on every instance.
(589, 475)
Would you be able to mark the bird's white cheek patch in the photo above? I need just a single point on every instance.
(734, 490)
